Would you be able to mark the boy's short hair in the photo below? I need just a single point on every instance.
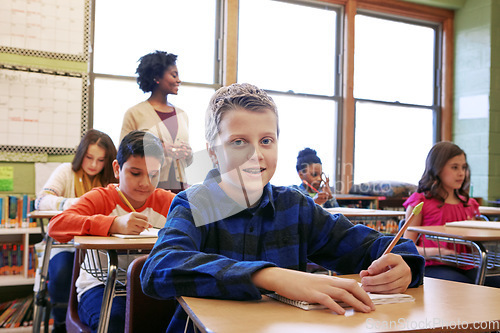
(139, 143)
(236, 96)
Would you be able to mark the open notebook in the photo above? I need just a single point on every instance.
(475, 224)
(151, 233)
(376, 298)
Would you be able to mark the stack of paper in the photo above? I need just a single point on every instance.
(376, 298)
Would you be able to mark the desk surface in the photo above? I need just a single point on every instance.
(41, 214)
(470, 234)
(437, 303)
(114, 243)
(486, 210)
(346, 211)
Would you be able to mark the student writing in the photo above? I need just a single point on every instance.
(443, 189)
(91, 167)
(314, 183)
(236, 235)
(102, 212)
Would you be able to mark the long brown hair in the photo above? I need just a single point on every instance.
(94, 136)
(431, 184)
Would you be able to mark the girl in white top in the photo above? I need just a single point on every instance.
(91, 167)
(158, 74)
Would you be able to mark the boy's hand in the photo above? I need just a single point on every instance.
(321, 197)
(314, 288)
(388, 274)
(131, 224)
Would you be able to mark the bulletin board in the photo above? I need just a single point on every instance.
(57, 29)
(42, 111)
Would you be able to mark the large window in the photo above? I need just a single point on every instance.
(292, 52)
(396, 98)
(125, 30)
(362, 86)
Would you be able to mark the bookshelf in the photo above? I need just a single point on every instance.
(25, 236)
(14, 286)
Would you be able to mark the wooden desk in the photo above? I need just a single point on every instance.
(473, 237)
(110, 245)
(40, 215)
(439, 305)
(364, 212)
(489, 211)
(380, 220)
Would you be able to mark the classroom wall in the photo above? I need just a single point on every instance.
(24, 173)
(477, 49)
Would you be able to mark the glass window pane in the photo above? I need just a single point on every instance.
(393, 61)
(391, 142)
(112, 98)
(125, 30)
(305, 122)
(279, 47)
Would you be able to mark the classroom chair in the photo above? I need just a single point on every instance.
(73, 323)
(141, 310)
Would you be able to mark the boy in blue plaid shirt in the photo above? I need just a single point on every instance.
(236, 236)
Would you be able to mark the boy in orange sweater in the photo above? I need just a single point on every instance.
(103, 211)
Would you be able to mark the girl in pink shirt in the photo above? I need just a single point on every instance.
(444, 189)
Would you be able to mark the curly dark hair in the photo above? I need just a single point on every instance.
(431, 184)
(306, 157)
(153, 66)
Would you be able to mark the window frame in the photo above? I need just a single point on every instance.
(218, 57)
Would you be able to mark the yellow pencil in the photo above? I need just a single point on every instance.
(126, 201)
(401, 231)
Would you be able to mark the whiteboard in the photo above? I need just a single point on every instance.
(42, 111)
(54, 29)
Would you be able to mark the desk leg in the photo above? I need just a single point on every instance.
(41, 302)
(109, 291)
(483, 262)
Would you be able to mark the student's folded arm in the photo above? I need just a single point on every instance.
(87, 217)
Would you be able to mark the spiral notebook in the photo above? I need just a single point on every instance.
(376, 298)
(151, 233)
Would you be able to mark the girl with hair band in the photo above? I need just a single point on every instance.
(444, 190)
(158, 74)
(91, 167)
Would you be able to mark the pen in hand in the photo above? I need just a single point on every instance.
(405, 226)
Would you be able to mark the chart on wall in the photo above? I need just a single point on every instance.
(53, 29)
(41, 110)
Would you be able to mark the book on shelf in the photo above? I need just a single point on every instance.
(14, 211)
(14, 313)
(377, 299)
(11, 259)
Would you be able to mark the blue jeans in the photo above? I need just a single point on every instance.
(89, 310)
(59, 285)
